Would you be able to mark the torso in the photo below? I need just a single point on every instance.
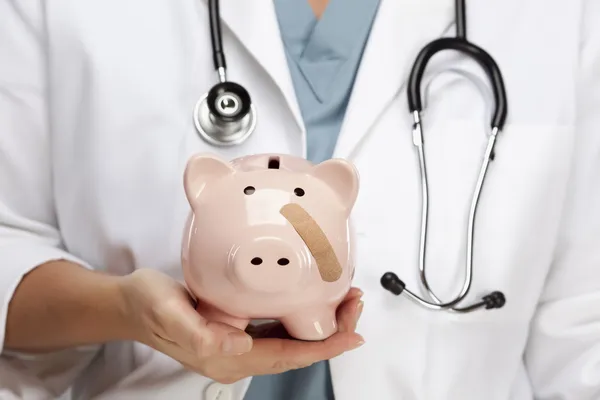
(120, 145)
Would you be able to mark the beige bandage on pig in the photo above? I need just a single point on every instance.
(316, 241)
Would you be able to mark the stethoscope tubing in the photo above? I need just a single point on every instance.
(216, 38)
(472, 51)
(226, 116)
(389, 280)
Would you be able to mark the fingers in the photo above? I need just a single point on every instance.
(349, 312)
(273, 352)
(202, 344)
(353, 293)
(272, 356)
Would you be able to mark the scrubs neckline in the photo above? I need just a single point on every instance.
(320, 46)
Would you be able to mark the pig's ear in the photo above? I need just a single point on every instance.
(200, 170)
(342, 177)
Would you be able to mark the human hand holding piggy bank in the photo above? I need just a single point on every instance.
(269, 237)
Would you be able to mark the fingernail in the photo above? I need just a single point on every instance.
(359, 343)
(359, 309)
(236, 343)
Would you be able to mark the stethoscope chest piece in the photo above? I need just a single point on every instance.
(225, 116)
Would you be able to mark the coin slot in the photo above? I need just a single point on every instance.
(273, 163)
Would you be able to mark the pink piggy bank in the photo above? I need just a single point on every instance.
(269, 237)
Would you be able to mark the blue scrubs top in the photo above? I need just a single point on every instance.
(323, 57)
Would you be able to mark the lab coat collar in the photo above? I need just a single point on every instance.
(254, 24)
(400, 30)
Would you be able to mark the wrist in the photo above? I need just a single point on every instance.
(116, 315)
(128, 310)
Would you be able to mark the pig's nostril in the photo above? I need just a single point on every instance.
(283, 261)
(256, 261)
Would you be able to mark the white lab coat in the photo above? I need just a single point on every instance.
(96, 102)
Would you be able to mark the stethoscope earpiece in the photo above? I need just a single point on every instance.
(393, 284)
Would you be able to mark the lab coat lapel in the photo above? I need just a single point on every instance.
(254, 24)
(400, 30)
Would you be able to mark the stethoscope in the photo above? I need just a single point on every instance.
(225, 116)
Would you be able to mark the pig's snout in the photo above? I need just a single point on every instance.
(269, 265)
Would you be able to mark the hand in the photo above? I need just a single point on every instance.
(162, 316)
(274, 351)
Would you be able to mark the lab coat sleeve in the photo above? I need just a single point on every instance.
(28, 228)
(563, 353)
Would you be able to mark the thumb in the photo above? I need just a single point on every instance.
(192, 332)
(230, 339)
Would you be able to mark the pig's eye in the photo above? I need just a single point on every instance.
(299, 192)
(249, 190)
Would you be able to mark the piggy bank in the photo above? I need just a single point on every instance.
(270, 237)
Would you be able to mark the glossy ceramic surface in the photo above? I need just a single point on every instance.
(244, 260)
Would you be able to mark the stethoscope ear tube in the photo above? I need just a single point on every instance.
(488, 64)
(390, 281)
